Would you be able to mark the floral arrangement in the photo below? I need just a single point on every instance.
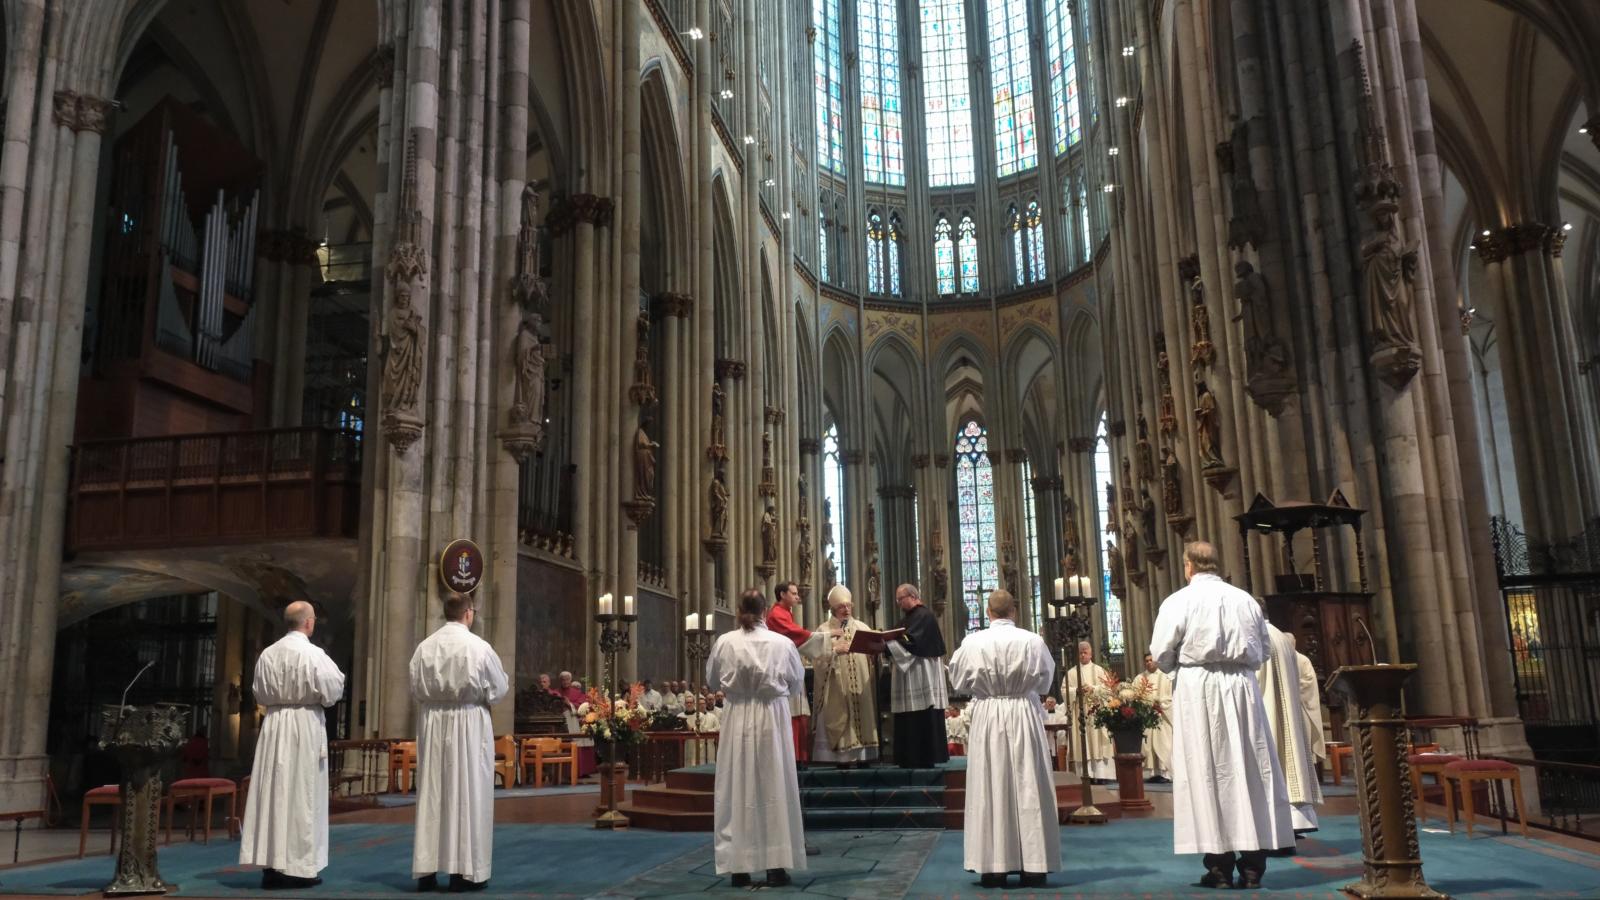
(1116, 705)
(614, 723)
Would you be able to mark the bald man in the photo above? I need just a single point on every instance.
(286, 812)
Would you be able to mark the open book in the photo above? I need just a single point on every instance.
(873, 642)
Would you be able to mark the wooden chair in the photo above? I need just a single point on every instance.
(1467, 773)
(1428, 763)
(105, 795)
(505, 760)
(541, 752)
(402, 765)
(192, 791)
(1337, 754)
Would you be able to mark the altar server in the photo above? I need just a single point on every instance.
(1228, 793)
(1280, 692)
(1158, 740)
(1010, 790)
(455, 677)
(780, 620)
(918, 692)
(286, 814)
(757, 800)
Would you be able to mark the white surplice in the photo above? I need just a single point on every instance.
(700, 751)
(1158, 740)
(1280, 692)
(1011, 796)
(1102, 752)
(1227, 789)
(757, 823)
(1311, 702)
(955, 729)
(650, 700)
(455, 676)
(286, 814)
(1058, 716)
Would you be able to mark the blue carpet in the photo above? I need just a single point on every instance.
(1127, 858)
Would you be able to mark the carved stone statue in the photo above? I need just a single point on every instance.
(1171, 483)
(805, 554)
(1130, 541)
(1127, 482)
(1264, 352)
(1144, 450)
(1204, 352)
(1111, 508)
(1069, 523)
(768, 485)
(528, 354)
(1114, 560)
(874, 582)
(717, 449)
(1207, 427)
(402, 367)
(1008, 562)
(941, 575)
(644, 463)
(769, 536)
(830, 573)
(641, 353)
(1247, 226)
(1388, 270)
(719, 504)
(1147, 518)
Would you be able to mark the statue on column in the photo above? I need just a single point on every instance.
(1069, 523)
(402, 365)
(1147, 519)
(1114, 565)
(1127, 482)
(769, 478)
(769, 536)
(718, 447)
(803, 526)
(1171, 485)
(1388, 264)
(719, 504)
(941, 575)
(1008, 561)
(642, 392)
(1111, 508)
(527, 399)
(644, 463)
(1144, 450)
(1207, 426)
(1267, 376)
(1204, 352)
(1247, 225)
(530, 346)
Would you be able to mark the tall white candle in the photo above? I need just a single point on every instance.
(605, 604)
(691, 622)
(1061, 589)
(627, 605)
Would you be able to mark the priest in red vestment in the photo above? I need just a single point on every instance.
(780, 620)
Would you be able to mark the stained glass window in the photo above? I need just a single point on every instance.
(1063, 56)
(1102, 481)
(980, 566)
(822, 250)
(833, 494)
(1030, 530)
(878, 39)
(1035, 228)
(944, 257)
(1083, 212)
(893, 252)
(1019, 259)
(1016, 144)
(875, 253)
(968, 247)
(947, 95)
(827, 74)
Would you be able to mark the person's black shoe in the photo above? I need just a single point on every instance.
(1218, 879)
(777, 878)
(271, 880)
(1033, 879)
(427, 883)
(460, 885)
(740, 879)
(1249, 881)
(993, 880)
(1283, 851)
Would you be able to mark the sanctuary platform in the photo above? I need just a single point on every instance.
(1125, 858)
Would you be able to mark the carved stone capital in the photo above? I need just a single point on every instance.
(1189, 268)
(851, 457)
(1080, 444)
(64, 109)
(401, 429)
(578, 209)
(1491, 248)
(775, 415)
(678, 306)
(995, 457)
(1117, 428)
(523, 440)
(810, 446)
(920, 460)
(1396, 364)
(1016, 455)
(1047, 483)
(730, 369)
(382, 63)
(1554, 242)
(941, 460)
(94, 114)
(1526, 237)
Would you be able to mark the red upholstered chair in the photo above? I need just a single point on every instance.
(1338, 752)
(1466, 773)
(1428, 764)
(105, 795)
(192, 791)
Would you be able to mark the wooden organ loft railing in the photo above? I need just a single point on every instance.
(195, 489)
(180, 255)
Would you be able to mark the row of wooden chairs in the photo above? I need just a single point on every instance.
(514, 756)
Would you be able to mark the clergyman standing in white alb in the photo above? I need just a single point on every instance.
(1280, 692)
(286, 814)
(1228, 794)
(455, 677)
(1011, 795)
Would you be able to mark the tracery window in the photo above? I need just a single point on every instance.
(1034, 225)
(1016, 146)
(967, 247)
(980, 567)
(892, 252)
(1030, 530)
(944, 257)
(1063, 56)
(1019, 256)
(1027, 244)
(1103, 481)
(878, 40)
(947, 95)
(827, 75)
(833, 493)
(822, 248)
(1083, 213)
(875, 261)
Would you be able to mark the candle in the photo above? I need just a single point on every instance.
(691, 622)
(605, 604)
(627, 605)
(1061, 589)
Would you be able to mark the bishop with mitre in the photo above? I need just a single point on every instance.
(844, 718)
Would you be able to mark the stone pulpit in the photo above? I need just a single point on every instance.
(142, 738)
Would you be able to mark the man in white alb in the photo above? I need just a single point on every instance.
(1228, 794)
(1102, 752)
(1158, 740)
(455, 677)
(1011, 795)
(1280, 692)
(650, 699)
(671, 700)
(286, 814)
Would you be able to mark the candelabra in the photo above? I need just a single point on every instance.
(615, 637)
(1064, 628)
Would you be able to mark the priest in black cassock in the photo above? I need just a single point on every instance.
(918, 694)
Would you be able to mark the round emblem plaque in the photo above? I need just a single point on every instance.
(461, 566)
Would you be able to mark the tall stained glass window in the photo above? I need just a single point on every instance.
(967, 246)
(980, 567)
(947, 94)
(878, 40)
(1035, 228)
(875, 261)
(892, 251)
(1030, 531)
(944, 257)
(827, 73)
(1019, 257)
(1083, 215)
(1103, 481)
(1065, 108)
(822, 250)
(833, 495)
(1016, 144)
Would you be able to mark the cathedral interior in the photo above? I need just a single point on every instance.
(666, 299)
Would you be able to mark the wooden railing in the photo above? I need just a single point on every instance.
(1569, 796)
(227, 487)
(357, 771)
